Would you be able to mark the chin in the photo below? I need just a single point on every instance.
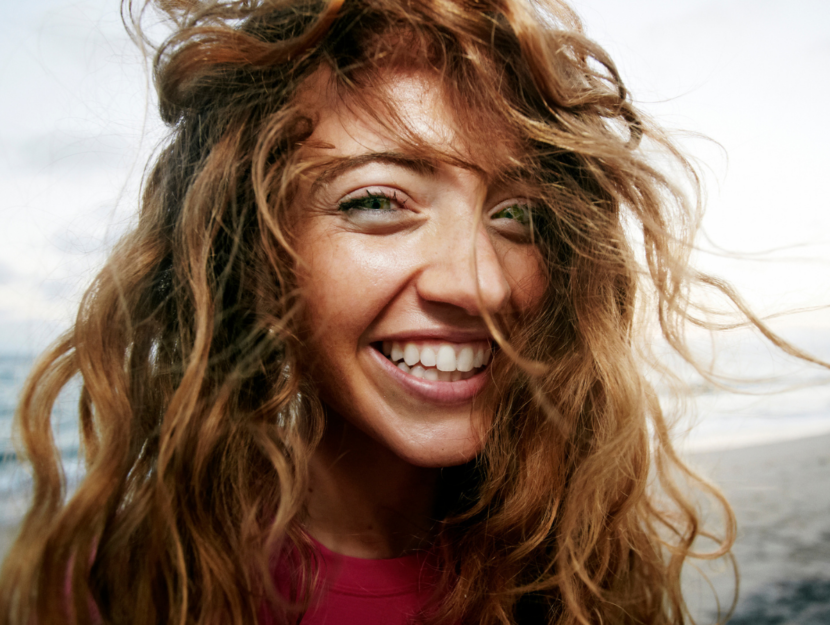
(445, 449)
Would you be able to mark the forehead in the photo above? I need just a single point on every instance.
(410, 112)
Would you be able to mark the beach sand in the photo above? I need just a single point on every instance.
(781, 495)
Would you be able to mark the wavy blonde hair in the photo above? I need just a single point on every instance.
(197, 423)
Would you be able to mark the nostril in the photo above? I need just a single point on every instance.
(470, 279)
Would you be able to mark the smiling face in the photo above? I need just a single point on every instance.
(400, 253)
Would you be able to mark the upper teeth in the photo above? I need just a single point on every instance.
(443, 356)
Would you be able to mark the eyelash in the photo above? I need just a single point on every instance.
(355, 202)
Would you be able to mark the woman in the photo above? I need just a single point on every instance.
(379, 317)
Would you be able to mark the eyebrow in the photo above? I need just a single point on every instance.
(339, 166)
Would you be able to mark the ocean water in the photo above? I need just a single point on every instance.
(15, 474)
(783, 399)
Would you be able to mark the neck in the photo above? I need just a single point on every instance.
(364, 500)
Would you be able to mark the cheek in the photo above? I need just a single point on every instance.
(327, 270)
(345, 281)
(524, 271)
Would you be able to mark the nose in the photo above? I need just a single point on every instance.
(463, 269)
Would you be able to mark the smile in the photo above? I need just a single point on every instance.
(438, 361)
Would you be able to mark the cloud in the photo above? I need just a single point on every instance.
(60, 149)
(27, 336)
(7, 274)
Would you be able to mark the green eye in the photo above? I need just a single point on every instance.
(368, 203)
(517, 212)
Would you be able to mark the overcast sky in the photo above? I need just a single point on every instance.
(752, 75)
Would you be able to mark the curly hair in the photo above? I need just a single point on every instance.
(197, 422)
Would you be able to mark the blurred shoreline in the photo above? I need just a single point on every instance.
(781, 496)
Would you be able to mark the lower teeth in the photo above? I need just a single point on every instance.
(434, 374)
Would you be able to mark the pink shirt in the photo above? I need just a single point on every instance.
(356, 591)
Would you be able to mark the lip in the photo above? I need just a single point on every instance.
(436, 334)
(434, 391)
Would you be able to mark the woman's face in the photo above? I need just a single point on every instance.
(399, 255)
